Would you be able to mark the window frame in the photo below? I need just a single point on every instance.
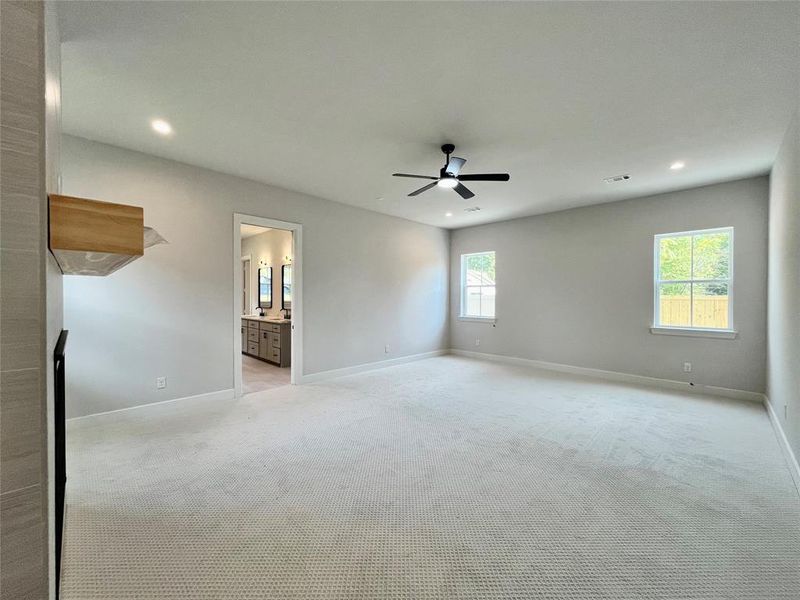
(690, 330)
(462, 316)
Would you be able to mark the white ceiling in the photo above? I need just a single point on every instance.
(331, 98)
(247, 231)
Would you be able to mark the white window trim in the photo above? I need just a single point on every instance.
(477, 319)
(725, 334)
(462, 277)
(688, 331)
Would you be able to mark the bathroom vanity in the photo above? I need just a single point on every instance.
(267, 338)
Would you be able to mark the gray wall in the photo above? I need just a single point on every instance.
(271, 247)
(369, 280)
(576, 287)
(783, 364)
(23, 318)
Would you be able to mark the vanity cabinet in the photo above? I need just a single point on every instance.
(270, 341)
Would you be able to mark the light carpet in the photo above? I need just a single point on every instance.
(444, 478)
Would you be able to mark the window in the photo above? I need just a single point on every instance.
(694, 279)
(477, 285)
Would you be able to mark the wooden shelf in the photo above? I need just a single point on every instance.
(89, 237)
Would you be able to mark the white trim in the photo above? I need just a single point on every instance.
(491, 320)
(616, 376)
(248, 258)
(297, 294)
(726, 334)
(657, 281)
(783, 442)
(372, 366)
(218, 395)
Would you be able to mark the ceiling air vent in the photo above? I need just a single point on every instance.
(617, 178)
(472, 209)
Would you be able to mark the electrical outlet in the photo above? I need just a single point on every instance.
(477, 341)
(386, 349)
(687, 367)
(161, 383)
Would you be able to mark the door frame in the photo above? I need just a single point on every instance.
(249, 291)
(297, 294)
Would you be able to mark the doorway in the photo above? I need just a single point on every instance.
(267, 304)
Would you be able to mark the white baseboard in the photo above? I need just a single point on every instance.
(379, 364)
(218, 395)
(616, 376)
(783, 442)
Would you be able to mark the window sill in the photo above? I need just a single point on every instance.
(724, 334)
(478, 319)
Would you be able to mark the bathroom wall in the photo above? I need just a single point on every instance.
(268, 249)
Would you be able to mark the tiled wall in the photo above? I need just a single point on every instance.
(23, 427)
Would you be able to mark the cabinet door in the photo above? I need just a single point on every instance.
(263, 344)
(275, 355)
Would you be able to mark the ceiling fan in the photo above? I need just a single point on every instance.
(449, 175)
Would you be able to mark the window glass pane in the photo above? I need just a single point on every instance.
(472, 301)
(472, 272)
(712, 255)
(710, 305)
(487, 301)
(480, 269)
(675, 258)
(674, 304)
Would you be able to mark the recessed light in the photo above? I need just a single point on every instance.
(677, 165)
(448, 214)
(161, 126)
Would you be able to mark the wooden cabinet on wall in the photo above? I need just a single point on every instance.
(270, 341)
(88, 237)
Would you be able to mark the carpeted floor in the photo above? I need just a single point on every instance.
(444, 478)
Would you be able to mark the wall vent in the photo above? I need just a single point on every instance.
(472, 209)
(617, 178)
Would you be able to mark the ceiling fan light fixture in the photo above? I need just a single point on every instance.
(447, 182)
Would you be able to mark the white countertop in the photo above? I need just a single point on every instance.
(266, 319)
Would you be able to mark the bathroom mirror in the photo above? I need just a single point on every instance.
(265, 287)
(286, 294)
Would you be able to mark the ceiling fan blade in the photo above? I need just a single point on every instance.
(486, 177)
(454, 165)
(463, 192)
(422, 189)
(414, 176)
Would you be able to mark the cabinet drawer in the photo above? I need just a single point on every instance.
(275, 355)
(252, 348)
(265, 326)
(252, 324)
(276, 340)
(244, 322)
(275, 328)
(252, 335)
